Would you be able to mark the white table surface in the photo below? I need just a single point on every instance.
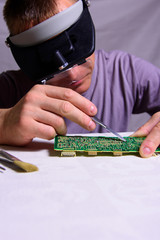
(80, 198)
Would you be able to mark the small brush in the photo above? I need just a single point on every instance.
(28, 167)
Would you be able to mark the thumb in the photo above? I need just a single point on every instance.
(151, 129)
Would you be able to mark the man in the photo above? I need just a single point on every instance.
(112, 85)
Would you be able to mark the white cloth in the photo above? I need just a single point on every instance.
(89, 198)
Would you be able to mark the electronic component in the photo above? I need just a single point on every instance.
(69, 145)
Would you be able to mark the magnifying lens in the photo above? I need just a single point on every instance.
(56, 45)
(71, 76)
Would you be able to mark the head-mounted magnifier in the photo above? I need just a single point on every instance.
(56, 44)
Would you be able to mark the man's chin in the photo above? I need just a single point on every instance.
(80, 88)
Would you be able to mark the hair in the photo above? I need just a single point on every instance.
(21, 15)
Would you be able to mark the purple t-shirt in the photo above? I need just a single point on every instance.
(121, 85)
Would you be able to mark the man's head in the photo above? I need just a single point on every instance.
(45, 56)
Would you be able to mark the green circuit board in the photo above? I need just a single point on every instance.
(69, 145)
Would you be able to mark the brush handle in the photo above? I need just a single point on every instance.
(8, 157)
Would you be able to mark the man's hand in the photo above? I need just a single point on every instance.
(40, 113)
(151, 129)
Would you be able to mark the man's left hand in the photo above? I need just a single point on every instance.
(151, 130)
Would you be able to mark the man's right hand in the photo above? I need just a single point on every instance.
(40, 113)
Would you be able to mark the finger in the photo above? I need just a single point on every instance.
(44, 131)
(26, 132)
(53, 99)
(73, 97)
(53, 120)
(68, 110)
(151, 142)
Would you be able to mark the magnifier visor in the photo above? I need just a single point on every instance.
(72, 76)
(47, 58)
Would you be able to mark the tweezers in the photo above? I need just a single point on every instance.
(96, 120)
